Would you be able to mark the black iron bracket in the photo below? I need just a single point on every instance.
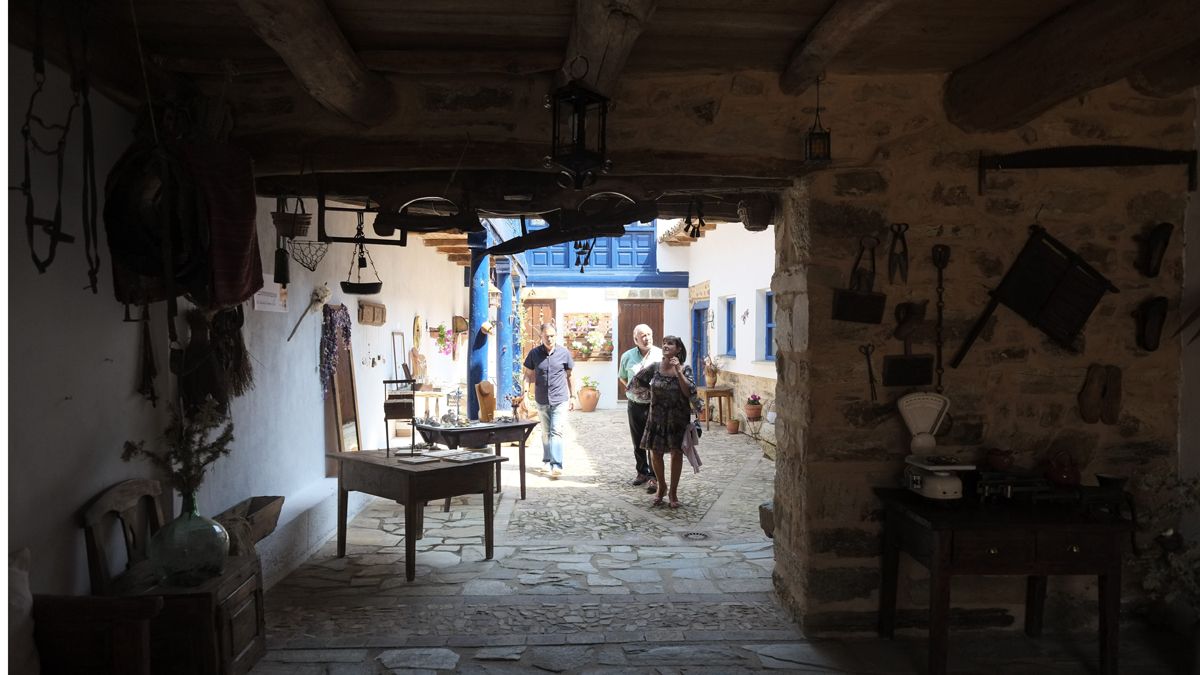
(1083, 156)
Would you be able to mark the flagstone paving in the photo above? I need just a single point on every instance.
(586, 577)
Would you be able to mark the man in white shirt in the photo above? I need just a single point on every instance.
(643, 353)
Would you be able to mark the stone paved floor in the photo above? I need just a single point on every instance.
(588, 578)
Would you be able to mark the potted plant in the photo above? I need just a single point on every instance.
(589, 394)
(732, 424)
(753, 407)
(190, 549)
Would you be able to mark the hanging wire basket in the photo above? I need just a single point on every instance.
(308, 253)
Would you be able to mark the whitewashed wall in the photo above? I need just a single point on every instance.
(74, 368)
(736, 263)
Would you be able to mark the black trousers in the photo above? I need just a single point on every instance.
(637, 426)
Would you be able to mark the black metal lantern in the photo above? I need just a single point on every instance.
(817, 141)
(578, 147)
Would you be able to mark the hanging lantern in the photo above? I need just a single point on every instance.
(359, 262)
(578, 144)
(817, 141)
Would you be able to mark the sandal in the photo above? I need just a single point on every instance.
(652, 486)
(674, 504)
(1153, 246)
(658, 500)
(1150, 315)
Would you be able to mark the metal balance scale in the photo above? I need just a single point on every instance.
(928, 474)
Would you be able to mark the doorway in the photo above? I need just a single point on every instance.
(699, 341)
(537, 312)
(629, 314)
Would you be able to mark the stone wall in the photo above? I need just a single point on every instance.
(1016, 389)
(743, 385)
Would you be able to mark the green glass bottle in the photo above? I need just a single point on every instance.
(190, 549)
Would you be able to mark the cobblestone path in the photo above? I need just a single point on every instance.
(585, 562)
(587, 577)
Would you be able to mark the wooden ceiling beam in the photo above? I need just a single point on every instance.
(601, 38)
(391, 61)
(444, 241)
(1088, 45)
(308, 39)
(453, 249)
(281, 154)
(1169, 75)
(841, 24)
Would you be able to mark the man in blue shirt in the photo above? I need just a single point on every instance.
(549, 366)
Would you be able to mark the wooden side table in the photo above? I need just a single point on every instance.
(969, 538)
(720, 394)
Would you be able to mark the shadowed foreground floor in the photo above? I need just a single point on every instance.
(588, 578)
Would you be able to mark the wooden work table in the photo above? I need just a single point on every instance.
(965, 537)
(412, 485)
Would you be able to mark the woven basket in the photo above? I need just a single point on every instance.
(292, 225)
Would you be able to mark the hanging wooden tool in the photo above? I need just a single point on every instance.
(941, 259)
(1050, 286)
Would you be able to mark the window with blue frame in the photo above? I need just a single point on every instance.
(769, 333)
(730, 327)
(629, 260)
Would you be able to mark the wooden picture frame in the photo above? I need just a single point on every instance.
(344, 394)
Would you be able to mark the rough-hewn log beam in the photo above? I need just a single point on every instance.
(281, 153)
(445, 241)
(1169, 75)
(1089, 45)
(837, 28)
(308, 39)
(112, 66)
(395, 61)
(602, 37)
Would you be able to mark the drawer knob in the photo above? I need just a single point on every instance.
(1074, 548)
(993, 551)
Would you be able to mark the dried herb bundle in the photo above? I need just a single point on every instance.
(188, 448)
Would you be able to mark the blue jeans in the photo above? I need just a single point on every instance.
(554, 418)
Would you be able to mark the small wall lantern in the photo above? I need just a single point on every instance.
(817, 141)
(578, 144)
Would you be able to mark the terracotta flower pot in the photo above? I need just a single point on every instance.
(732, 426)
(588, 398)
(753, 412)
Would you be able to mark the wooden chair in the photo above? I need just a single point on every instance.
(133, 503)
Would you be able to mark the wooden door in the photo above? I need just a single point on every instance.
(537, 312)
(629, 314)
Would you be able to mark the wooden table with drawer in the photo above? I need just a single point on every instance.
(965, 537)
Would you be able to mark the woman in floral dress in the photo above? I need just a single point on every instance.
(672, 401)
